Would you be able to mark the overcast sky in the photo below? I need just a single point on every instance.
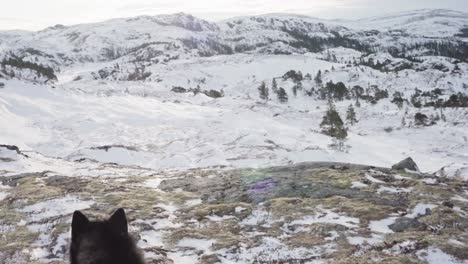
(38, 14)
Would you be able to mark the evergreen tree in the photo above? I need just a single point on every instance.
(357, 104)
(294, 89)
(442, 116)
(263, 91)
(351, 115)
(282, 95)
(274, 86)
(297, 87)
(357, 91)
(318, 78)
(332, 124)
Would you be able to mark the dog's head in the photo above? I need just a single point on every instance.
(102, 242)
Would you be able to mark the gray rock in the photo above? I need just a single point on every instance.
(404, 223)
(407, 163)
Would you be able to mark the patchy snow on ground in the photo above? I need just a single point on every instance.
(381, 226)
(383, 189)
(55, 207)
(421, 209)
(435, 256)
(327, 216)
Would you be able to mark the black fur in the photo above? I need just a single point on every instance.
(102, 242)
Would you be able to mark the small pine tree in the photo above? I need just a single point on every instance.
(332, 124)
(442, 116)
(318, 78)
(351, 115)
(357, 104)
(297, 87)
(282, 95)
(274, 86)
(263, 91)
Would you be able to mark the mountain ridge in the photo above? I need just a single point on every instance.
(462, 14)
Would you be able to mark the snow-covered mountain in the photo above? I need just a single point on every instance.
(159, 39)
(400, 69)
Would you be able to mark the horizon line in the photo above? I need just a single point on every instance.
(233, 17)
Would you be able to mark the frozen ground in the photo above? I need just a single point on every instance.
(306, 213)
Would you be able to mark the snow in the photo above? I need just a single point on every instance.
(381, 226)
(153, 183)
(55, 207)
(151, 127)
(459, 198)
(151, 239)
(193, 202)
(3, 191)
(372, 179)
(357, 240)
(199, 244)
(358, 185)
(430, 181)
(3, 195)
(385, 189)
(434, 255)
(327, 216)
(258, 217)
(272, 249)
(420, 209)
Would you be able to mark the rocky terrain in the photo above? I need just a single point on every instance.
(303, 213)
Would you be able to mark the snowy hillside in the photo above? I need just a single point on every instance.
(125, 77)
(173, 94)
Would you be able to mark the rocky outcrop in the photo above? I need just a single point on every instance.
(13, 148)
(406, 164)
(288, 214)
(404, 224)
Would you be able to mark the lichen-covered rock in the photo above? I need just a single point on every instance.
(403, 224)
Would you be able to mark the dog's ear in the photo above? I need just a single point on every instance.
(79, 223)
(118, 220)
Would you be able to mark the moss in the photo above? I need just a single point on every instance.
(291, 193)
(19, 238)
(9, 215)
(443, 218)
(338, 178)
(430, 194)
(142, 202)
(291, 207)
(250, 176)
(305, 239)
(201, 211)
(32, 190)
(364, 210)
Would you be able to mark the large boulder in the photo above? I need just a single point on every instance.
(404, 223)
(407, 163)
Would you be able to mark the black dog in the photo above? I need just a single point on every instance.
(102, 242)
